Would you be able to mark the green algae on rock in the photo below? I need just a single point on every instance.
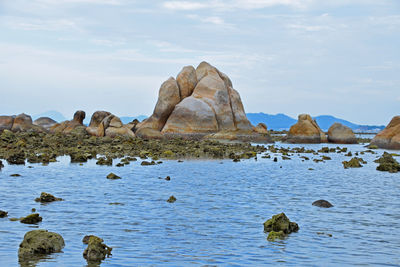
(31, 219)
(47, 198)
(96, 250)
(279, 226)
(353, 163)
(387, 163)
(39, 242)
(113, 176)
(171, 199)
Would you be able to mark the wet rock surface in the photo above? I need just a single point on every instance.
(39, 242)
(96, 250)
(113, 176)
(389, 138)
(353, 163)
(279, 226)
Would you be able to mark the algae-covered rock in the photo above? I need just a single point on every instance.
(387, 163)
(3, 214)
(104, 161)
(1, 165)
(17, 158)
(96, 250)
(39, 242)
(275, 235)
(113, 176)
(31, 219)
(171, 199)
(279, 223)
(322, 203)
(46, 198)
(353, 163)
(148, 163)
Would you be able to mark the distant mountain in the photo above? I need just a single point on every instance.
(281, 122)
(127, 119)
(55, 115)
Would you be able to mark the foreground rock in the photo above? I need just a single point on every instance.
(387, 163)
(340, 134)
(279, 226)
(96, 250)
(103, 123)
(389, 138)
(322, 204)
(67, 127)
(39, 242)
(45, 122)
(47, 198)
(200, 102)
(306, 130)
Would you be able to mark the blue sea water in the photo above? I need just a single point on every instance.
(218, 217)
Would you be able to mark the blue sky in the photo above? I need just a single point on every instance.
(338, 57)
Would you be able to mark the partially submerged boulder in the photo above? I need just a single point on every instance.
(96, 250)
(113, 176)
(47, 198)
(67, 127)
(353, 163)
(39, 242)
(279, 226)
(103, 123)
(45, 122)
(388, 163)
(306, 130)
(31, 219)
(200, 102)
(389, 138)
(322, 203)
(341, 134)
(3, 214)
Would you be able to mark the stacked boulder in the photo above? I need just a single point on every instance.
(306, 130)
(71, 126)
(199, 103)
(340, 134)
(103, 123)
(389, 138)
(19, 123)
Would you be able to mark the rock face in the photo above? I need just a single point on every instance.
(103, 123)
(279, 226)
(306, 130)
(198, 103)
(45, 122)
(39, 242)
(340, 134)
(389, 138)
(67, 127)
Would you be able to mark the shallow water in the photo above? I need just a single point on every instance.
(219, 213)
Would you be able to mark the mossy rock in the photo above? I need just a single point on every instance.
(104, 161)
(168, 154)
(388, 163)
(17, 158)
(276, 235)
(31, 219)
(353, 163)
(373, 147)
(171, 199)
(96, 250)
(280, 222)
(39, 242)
(113, 176)
(148, 163)
(47, 198)
(1, 165)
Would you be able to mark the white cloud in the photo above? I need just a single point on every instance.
(30, 24)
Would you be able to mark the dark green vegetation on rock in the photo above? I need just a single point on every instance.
(171, 199)
(353, 163)
(387, 163)
(39, 242)
(31, 219)
(46, 198)
(279, 226)
(96, 250)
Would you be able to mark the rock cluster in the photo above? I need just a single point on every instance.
(306, 130)
(69, 126)
(199, 102)
(388, 163)
(341, 134)
(39, 242)
(19, 123)
(103, 123)
(279, 226)
(389, 138)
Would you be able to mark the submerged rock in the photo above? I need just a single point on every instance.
(113, 176)
(341, 134)
(39, 242)
(31, 219)
(96, 250)
(387, 163)
(279, 226)
(306, 130)
(3, 214)
(353, 163)
(322, 203)
(171, 199)
(46, 198)
(148, 163)
(388, 138)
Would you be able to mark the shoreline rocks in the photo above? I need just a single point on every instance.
(340, 134)
(388, 138)
(103, 123)
(305, 131)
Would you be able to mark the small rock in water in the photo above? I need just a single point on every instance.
(120, 165)
(147, 163)
(113, 176)
(104, 161)
(47, 198)
(96, 250)
(15, 175)
(322, 204)
(3, 214)
(171, 199)
(1, 165)
(387, 163)
(116, 203)
(168, 178)
(279, 226)
(33, 210)
(322, 233)
(275, 159)
(353, 163)
(31, 219)
(39, 242)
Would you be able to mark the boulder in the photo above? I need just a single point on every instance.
(279, 226)
(45, 122)
(389, 138)
(6, 122)
(96, 250)
(388, 163)
(306, 130)
(39, 242)
(31, 219)
(47, 198)
(95, 121)
(322, 203)
(104, 123)
(67, 127)
(3, 214)
(187, 80)
(340, 134)
(23, 122)
(261, 128)
(148, 133)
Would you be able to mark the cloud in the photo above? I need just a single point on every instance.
(31, 24)
(184, 5)
(309, 28)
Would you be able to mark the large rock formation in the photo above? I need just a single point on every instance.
(306, 130)
(340, 134)
(67, 127)
(19, 123)
(389, 138)
(200, 102)
(103, 123)
(6, 122)
(45, 122)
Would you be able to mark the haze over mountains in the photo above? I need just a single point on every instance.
(277, 122)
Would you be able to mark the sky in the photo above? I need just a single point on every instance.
(336, 57)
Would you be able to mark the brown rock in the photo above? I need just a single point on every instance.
(23, 122)
(389, 138)
(67, 127)
(6, 122)
(120, 131)
(45, 122)
(261, 128)
(148, 133)
(340, 134)
(187, 80)
(95, 121)
(306, 130)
